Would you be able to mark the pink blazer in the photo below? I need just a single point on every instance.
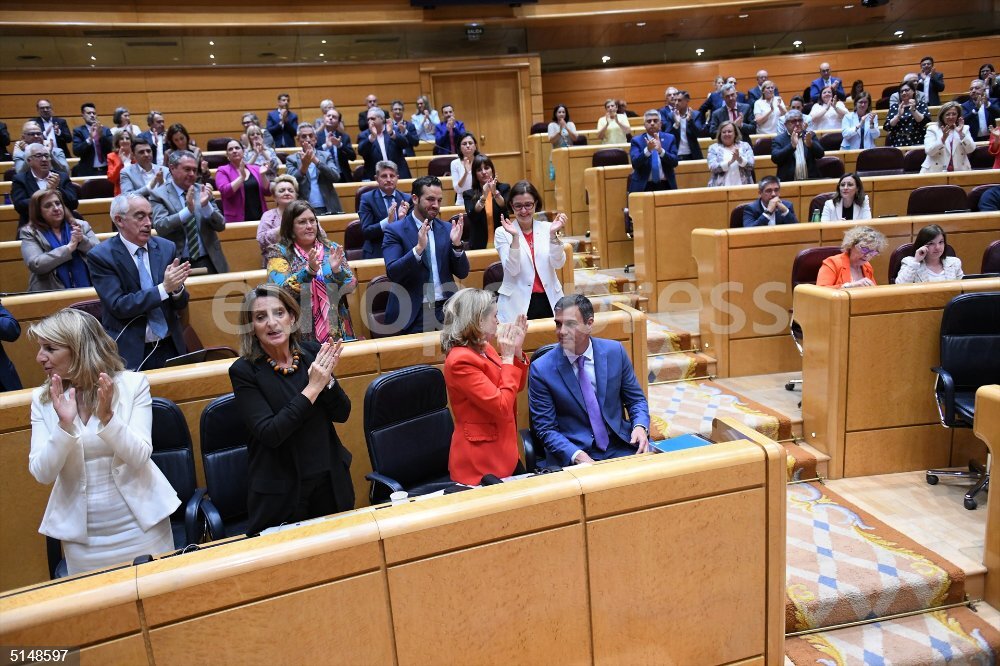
(233, 202)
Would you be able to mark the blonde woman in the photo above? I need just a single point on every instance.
(948, 142)
(850, 268)
(91, 424)
(612, 127)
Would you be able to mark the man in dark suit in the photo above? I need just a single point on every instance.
(796, 150)
(654, 156)
(930, 81)
(31, 132)
(980, 112)
(91, 143)
(282, 123)
(184, 213)
(578, 393)
(140, 282)
(667, 110)
(316, 172)
(54, 128)
(770, 209)
(371, 102)
(10, 331)
(685, 128)
(756, 92)
(825, 79)
(382, 142)
(39, 172)
(448, 133)
(4, 142)
(733, 110)
(403, 127)
(331, 140)
(716, 101)
(381, 207)
(423, 255)
(156, 136)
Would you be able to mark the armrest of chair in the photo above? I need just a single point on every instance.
(382, 483)
(944, 391)
(213, 519)
(193, 529)
(531, 454)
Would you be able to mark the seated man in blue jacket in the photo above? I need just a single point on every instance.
(578, 393)
(770, 209)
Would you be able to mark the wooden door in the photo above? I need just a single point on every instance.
(490, 105)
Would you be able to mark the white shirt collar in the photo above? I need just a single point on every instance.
(588, 353)
(129, 245)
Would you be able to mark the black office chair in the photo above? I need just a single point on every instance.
(970, 358)
(493, 277)
(534, 450)
(173, 453)
(408, 431)
(805, 270)
(354, 241)
(225, 459)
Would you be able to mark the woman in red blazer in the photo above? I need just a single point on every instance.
(850, 268)
(482, 386)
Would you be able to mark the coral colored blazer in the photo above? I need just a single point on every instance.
(836, 270)
(483, 392)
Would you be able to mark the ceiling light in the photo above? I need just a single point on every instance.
(699, 51)
(212, 56)
(93, 58)
(744, 15)
(211, 43)
(898, 33)
(848, 6)
(605, 58)
(640, 24)
(797, 43)
(89, 44)
(322, 41)
(321, 55)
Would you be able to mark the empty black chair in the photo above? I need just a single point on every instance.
(580, 140)
(980, 158)
(217, 144)
(354, 241)
(907, 250)
(912, 159)
(173, 453)
(97, 188)
(408, 430)
(493, 277)
(539, 128)
(991, 258)
(818, 202)
(736, 216)
(889, 91)
(440, 166)
(376, 299)
(225, 459)
(830, 167)
(762, 146)
(882, 161)
(936, 199)
(91, 307)
(882, 103)
(805, 270)
(609, 157)
(534, 450)
(215, 161)
(970, 358)
(831, 140)
(358, 174)
(358, 193)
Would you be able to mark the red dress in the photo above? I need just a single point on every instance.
(483, 392)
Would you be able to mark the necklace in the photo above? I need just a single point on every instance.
(290, 369)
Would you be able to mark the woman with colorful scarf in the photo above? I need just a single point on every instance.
(54, 244)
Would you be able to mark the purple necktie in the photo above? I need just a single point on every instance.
(593, 409)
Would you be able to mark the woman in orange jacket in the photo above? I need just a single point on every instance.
(482, 386)
(850, 268)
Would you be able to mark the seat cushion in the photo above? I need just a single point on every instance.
(965, 405)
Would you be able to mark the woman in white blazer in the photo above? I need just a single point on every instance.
(849, 203)
(948, 143)
(91, 424)
(531, 253)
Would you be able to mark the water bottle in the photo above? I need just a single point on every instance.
(816, 215)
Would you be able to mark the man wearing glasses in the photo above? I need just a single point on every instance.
(826, 79)
(39, 176)
(54, 128)
(31, 132)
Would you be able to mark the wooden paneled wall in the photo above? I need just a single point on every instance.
(868, 391)
(745, 290)
(663, 222)
(704, 530)
(211, 102)
(584, 91)
(22, 561)
(987, 428)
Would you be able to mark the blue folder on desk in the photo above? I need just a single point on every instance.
(679, 443)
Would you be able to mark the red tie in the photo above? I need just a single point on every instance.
(732, 114)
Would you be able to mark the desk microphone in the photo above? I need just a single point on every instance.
(490, 480)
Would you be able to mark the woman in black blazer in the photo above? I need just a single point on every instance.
(288, 397)
(486, 191)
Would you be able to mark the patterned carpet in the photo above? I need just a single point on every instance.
(682, 365)
(686, 407)
(845, 565)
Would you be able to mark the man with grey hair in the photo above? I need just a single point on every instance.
(38, 175)
(769, 209)
(324, 106)
(910, 78)
(733, 110)
(382, 142)
(140, 281)
(756, 92)
(250, 119)
(316, 172)
(980, 112)
(53, 127)
(796, 151)
(31, 132)
(380, 207)
(183, 212)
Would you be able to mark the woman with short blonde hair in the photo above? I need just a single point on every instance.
(850, 268)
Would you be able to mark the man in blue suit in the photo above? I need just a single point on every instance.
(448, 133)
(654, 156)
(685, 127)
(283, 123)
(825, 79)
(770, 209)
(382, 142)
(422, 255)
(140, 282)
(381, 207)
(980, 112)
(578, 392)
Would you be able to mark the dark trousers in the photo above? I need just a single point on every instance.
(430, 318)
(204, 261)
(657, 187)
(538, 306)
(157, 354)
(316, 498)
(616, 449)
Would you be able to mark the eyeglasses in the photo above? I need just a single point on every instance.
(523, 206)
(32, 134)
(867, 252)
(42, 156)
